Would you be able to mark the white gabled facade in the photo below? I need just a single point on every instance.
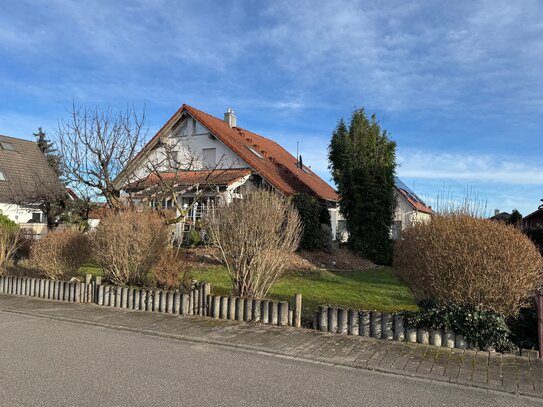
(32, 220)
(194, 148)
(406, 215)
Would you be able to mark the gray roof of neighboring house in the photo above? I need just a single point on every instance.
(26, 171)
(502, 216)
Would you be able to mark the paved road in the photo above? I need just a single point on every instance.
(57, 363)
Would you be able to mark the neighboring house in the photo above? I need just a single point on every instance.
(207, 160)
(410, 209)
(534, 219)
(503, 217)
(25, 178)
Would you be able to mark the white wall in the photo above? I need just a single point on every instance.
(23, 217)
(406, 214)
(20, 214)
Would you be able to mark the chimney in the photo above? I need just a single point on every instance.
(230, 117)
(496, 212)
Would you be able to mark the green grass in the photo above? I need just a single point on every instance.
(376, 289)
(90, 269)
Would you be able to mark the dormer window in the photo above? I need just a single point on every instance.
(7, 146)
(252, 150)
(2, 176)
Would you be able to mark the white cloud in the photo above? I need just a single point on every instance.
(429, 165)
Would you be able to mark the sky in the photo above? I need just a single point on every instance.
(458, 85)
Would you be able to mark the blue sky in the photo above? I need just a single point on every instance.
(457, 84)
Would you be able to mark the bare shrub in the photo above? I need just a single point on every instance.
(459, 259)
(11, 237)
(59, 254)
(254, 235)
(172, 270)
(127, 244)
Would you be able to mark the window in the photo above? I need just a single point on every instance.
(180, 129)
(2, 176)
(252, 150)
(36, 217)
(7, 146)
(209, 157)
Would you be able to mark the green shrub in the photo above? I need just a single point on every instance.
(457, 259)
(194, 238)
(317, 234)
(484, 329)
(524, 327)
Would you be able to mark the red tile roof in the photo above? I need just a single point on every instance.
(417, 205)
(277, 165)
(187, 178)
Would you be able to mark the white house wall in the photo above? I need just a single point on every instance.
(19, 214)
(23, 217)
(406, 214)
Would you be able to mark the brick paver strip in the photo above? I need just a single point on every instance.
(492, 371)
(454, 361)
(440, 362)
(480, 367)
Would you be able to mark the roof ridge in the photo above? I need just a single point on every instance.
(18, 139)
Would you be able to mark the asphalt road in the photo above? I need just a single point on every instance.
(45, 362)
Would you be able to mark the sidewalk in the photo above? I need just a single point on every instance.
(486, 370)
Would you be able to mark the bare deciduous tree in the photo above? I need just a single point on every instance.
(254, 236)
(96, 145)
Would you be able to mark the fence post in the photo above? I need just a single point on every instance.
(282, 313)
(88, 288)
(298, 310)
(539, 301)
(256, 310)
(97, 285)
(206, 293)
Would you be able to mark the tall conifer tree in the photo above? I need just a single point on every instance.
(363, 163)
(49, 151)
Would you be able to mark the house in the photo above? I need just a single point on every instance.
(205, 159)
(503, 217)
(410, 209)
(209, 160)
(534, 219)
(25, 179)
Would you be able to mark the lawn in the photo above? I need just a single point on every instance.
(376, 289)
